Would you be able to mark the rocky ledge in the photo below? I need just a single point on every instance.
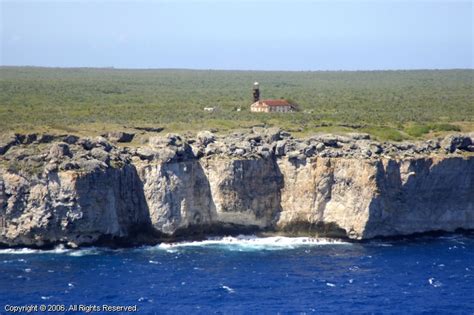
(81, 191)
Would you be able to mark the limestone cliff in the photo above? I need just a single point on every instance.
(72, 207)
(89, 191)
(382, 197)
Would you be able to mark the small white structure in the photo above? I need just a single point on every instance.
(210, 109)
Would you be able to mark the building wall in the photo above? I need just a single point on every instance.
(280, 109)
(257, 108)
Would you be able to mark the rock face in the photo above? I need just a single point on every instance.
(88, 191)
(73, 208)
(119, 136)
(387, 197)
(221, 194)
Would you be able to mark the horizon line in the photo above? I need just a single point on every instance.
(235, 70)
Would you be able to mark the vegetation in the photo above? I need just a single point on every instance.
(417, 130)
(388, 104)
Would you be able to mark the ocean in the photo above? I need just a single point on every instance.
(246, 275)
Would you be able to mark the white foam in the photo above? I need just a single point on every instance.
(247, 243)
(84, 252)
(238, 243)
(435, 283)
(57, 250)
(228, 289)
(18, 251)
(60, 249)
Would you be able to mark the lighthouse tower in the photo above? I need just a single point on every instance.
(269, 105)
(256, 92)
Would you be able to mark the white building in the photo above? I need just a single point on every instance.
(272, 106)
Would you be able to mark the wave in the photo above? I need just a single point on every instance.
(86, 252)
(60, 249)
(249, 243)
(238, 243)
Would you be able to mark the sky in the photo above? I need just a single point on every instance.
(232, 34)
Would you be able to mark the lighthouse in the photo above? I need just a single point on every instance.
(269, 105)
(256, 92)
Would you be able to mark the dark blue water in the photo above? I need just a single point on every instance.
(426, 276)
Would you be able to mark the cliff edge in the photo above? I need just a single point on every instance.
(80, 191)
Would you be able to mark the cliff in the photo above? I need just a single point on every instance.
(79, 191)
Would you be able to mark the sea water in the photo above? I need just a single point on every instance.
(247, 274)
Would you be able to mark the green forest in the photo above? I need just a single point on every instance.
(391, 105)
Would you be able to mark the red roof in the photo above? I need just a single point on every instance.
(279, 102)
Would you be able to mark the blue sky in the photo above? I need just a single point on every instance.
(231, 34)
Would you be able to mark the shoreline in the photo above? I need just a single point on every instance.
(178, 242)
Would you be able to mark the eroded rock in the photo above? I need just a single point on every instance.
(59, 150)
(120, 136)
(84, 190)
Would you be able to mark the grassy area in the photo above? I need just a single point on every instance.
(417, 130)
(388, 104)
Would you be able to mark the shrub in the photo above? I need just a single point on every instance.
(417, 130)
